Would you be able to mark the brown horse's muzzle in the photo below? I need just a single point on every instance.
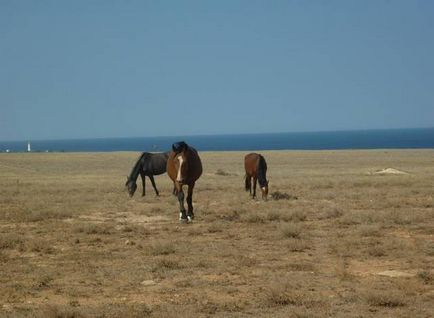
(265, 193)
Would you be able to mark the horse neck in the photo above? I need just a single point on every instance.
(136, 169)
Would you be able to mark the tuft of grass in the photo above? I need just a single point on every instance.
(291, 230)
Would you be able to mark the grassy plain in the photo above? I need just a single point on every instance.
(339, 241)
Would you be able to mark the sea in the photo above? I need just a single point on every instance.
(327, 140)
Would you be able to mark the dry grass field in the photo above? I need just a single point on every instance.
(337, 240)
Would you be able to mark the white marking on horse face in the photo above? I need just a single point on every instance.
(181, 161)
(263, 188)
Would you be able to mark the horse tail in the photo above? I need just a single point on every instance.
(247, 182)
(262, 171)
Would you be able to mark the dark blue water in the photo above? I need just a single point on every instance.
(363, 139)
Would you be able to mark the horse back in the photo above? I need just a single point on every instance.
(154, 163)
(251, 161)
(195, 164)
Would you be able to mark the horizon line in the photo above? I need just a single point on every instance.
(220, 134)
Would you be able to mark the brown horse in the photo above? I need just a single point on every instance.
(256, 169)
(184, 167)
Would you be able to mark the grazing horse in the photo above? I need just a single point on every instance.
(256, 169)
(148, 164)
(184, 167)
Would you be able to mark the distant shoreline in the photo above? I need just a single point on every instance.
(421, 138)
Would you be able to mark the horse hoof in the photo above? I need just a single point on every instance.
(189, 219)
(183, 218)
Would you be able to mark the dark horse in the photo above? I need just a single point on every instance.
(184, 167)
(256, 169)
(148, 164)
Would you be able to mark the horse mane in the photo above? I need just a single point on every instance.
(262, 172)
(135, 171)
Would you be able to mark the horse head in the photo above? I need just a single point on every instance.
(264, 190)
(179, 147)
(131, 186)
(181, 160)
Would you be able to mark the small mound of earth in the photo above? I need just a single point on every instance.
(389, 171)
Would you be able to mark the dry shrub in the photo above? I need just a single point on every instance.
(165, 264)
(3, 257)
(255, 217)
(376, 249)
(221, 172)
(95, 228)
(370, 231)
(281, 293)
(11, 241)
(330, 213)
(39, 246)
(60, 312)
(428, 248)
(136, 229)
(295, 216)
(292, 230)
(233, 215)
(277, 195)
(426, 277)
(342, 271)
(245, 261)
(162, 248)
(385, 298)
(302, 267)
(297, 245)
(195, 231)
(107, 311)
(274, 216)
(215, 227)
(350, 218)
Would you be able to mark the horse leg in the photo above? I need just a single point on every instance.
(182, 214)
(174, 192)
(254, 186)
(250, 186)
(153, 185)
(143, 183)
(247, 184)
(190, 214)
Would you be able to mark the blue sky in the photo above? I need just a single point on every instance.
(81, 69)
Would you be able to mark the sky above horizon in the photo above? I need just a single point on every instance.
(92, 69)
